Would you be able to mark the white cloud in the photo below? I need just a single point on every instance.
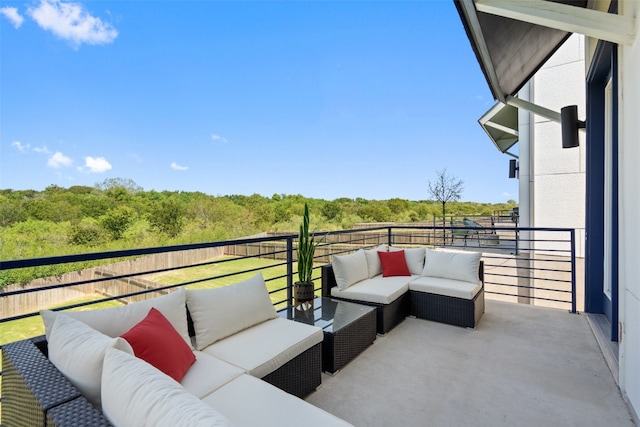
(23, 148)
(59, 160)
(215, 137)
(95, 165)
(177, 167)
(42, 150)
(20, 146)
(70, 21)
(11, 13)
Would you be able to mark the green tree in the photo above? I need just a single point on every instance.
(10, 212)
(126, 183)
(375, 211)
(331, 210)
(168, 217)
(87, 233)
(398, 206)
(116, 221)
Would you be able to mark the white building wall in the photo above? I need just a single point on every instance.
(629, 210)
(555, 193)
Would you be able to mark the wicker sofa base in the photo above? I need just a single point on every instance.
(446, 309)
(301, 375)
(35, 393)
(388, 316)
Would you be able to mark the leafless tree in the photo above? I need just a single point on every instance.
(445, 189)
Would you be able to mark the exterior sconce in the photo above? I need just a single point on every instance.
(570, 125)
(513, 168)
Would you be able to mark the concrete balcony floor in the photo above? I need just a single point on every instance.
(522, 366)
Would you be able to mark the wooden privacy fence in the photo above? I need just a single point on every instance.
(14, 305)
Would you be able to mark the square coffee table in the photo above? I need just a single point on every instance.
(348, 328)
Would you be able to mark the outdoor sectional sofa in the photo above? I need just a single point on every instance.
(137, 365)
(440, 285)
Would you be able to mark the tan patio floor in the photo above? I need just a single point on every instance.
(522, 366)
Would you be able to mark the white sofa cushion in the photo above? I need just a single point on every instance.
(414, 258)
(374, 266)
(350, 269)
(115, 321)
(207, 374)
(449, 287)
(77, 350)
(267, 346)
(455, 265)
(135, 394)
(380, 290)
(247, 402)
(220, 312)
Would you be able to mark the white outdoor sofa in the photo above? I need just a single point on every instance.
(89, 369)
(440, 285)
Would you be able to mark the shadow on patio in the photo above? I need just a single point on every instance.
(522, 366)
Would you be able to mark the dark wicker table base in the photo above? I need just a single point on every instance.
(339, 348)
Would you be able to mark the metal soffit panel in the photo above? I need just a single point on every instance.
(509, 51)
(501, 125)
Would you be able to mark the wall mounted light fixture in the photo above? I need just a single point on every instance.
(513, 168)
(570, 125)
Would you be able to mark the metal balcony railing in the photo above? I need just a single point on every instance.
(525, 265)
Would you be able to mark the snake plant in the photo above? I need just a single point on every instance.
(306, 249)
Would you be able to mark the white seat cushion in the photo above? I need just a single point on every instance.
(440, 286)
(265, 347)
(207, 374)
(248, 402)
(135, 394)
(380, 290)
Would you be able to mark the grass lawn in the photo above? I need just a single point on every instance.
(268, 268)
(32, 326)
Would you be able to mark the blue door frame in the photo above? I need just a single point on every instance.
(603, 67)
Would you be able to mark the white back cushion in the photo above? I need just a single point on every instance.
(135, 394)
(414, 258)
(220, 312)
(455, 265)
(350, 269)
(374, 266)
(77, 351)
(115, 321)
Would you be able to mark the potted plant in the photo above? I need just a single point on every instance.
(303, 288)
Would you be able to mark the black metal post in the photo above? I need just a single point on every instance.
(573, 271)
(290, 270)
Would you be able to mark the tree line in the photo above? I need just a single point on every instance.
(119, 214)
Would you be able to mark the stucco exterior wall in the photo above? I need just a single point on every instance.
(556, 188)
(629, 210)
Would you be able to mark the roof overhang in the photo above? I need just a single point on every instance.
(513, 39)
(501, 125)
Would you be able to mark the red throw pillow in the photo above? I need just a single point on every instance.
(156, 341)
(394, 264)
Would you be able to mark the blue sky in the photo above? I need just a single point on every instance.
(324, 99)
